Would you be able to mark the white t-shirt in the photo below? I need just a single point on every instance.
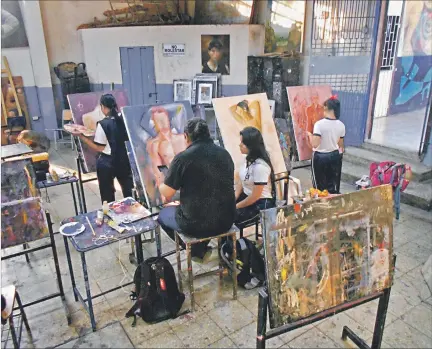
(258, 173)
(101, 138)
(330, 131)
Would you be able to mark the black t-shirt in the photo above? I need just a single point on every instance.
(204, 174)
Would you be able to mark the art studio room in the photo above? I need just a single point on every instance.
(216, 173)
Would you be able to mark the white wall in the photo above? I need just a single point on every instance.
(102, 53)
(20, 63)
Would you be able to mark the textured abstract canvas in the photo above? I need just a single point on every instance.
(233, 114)
(156, 136)
(284, 140)
(86, 111)
(327, 252)
(18, 180)
(22, 221)
(306, 106)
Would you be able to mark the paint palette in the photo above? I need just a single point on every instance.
(72, 229)
(127, 210)
(75, 128)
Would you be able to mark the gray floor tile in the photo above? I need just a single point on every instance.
(165, 340)
(231, 316)
(246, 338)
(421, 318)
(401, 335)
(313, 338)
(225, 342)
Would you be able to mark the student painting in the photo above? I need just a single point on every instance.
(216, 63)
(328, 142)
(109, 141)
(255, 190)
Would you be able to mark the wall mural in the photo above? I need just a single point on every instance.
(86, 111)
(22, 221)
(328, 252)
(306, 106)
(215, 54)
(233, 114)
(18, 180)
(13, 33)
(156, 136)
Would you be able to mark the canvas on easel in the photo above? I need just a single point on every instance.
(86, 111)
(156, 135)
(18, 180)
(327, 252)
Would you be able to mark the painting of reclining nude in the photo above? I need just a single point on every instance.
(156, 134)
(327, 252)
(18, 180)
(233, 114)
(22, 221)
(86, 111)
(306, 106)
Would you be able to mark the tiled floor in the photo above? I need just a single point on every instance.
(219, 322)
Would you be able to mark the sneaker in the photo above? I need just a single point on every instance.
(205, 258)
(363, 182)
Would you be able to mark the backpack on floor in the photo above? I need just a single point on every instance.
(159, 298)
(249, 262)
(389, 172)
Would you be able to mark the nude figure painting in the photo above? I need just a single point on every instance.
(233, 114)
(86, 111)
(156, 137)
(306, 106)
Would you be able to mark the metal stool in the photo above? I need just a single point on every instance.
(15, 329)
(189, 241)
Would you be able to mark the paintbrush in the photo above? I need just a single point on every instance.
(91, 227)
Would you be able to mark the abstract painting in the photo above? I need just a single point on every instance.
(22, 221)
(215, 54)
(306, 106)
(156, 134)
(18, 180)
(86, 111)
(233, 114)
(284, 140)
(327, 252)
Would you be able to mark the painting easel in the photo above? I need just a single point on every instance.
(384, 297)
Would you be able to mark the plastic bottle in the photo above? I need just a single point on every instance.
(105, 207)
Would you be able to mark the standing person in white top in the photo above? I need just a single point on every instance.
(256, 190)
(327, 141)
(109, 141)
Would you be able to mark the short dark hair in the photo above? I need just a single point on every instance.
(197, 130)
(215, 43)
(333, 104)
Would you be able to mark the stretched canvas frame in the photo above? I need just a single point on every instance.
(327, 252)
(85, 108)
(143, 124)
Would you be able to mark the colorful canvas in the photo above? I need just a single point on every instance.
(22, 221)
(233, 114)
(327, 252)
(284, 140)
(127, 210)
(306, 106)
(156, 136)
(18, 180)
(86, 111)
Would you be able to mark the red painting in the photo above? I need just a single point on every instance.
(306, 105)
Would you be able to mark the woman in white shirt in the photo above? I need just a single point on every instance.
(109, 141)
(256, 190)
(328, 142)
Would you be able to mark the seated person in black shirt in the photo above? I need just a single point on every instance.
(204, 174)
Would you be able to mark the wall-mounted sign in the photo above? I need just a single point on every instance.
(173, 49)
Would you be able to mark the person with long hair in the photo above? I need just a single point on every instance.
(328, 142)
(255, 190)
(112, 160)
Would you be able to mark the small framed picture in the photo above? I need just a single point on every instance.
(183, 90)
(205, 93)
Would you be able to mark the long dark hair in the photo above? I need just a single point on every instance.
(108, 101)
(333, 104)
(254, 141)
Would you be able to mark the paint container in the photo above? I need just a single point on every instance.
(48, 178)
(99, 218)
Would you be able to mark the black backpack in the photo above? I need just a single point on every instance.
(249, 262)
(159, 298)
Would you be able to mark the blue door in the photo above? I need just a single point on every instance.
(343, 46)
(138, 74)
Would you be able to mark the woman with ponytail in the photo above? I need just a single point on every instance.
(109, 141)
(328, 141)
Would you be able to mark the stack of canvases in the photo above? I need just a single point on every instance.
(23, 218)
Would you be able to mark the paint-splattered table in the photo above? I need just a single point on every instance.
(104, 235)
(12, 150)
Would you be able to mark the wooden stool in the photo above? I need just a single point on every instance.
(10, 294)
(189, 241)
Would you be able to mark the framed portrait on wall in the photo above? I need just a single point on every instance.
(183, 90)
(205, 93)
(215, 54)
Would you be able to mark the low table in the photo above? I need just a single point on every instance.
(85, 242)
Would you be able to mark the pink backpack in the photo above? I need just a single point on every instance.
(389, 172)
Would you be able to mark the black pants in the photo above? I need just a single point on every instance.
(326, 171)
(246, 214)
(106, 172)
(169, 224)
